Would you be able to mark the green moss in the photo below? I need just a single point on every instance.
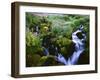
(32, 60)
(47, 61)
(59, 29)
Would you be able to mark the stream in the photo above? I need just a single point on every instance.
(79, 48)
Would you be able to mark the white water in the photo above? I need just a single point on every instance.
(79, 48)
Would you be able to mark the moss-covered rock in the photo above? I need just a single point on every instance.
(32, 60)
(66, 46)
(48, 61)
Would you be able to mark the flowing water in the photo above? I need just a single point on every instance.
(79, 48)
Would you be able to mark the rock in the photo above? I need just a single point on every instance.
(32, 60)
(48, 61)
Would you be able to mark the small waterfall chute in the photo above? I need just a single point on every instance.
(79, 45)
(79, 48)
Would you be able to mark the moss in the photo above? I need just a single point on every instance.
(55, 33)
(32, 60)
(67, 47)
(47, 61)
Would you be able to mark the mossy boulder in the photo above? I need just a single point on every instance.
(32, 60)
(48, 61)
(66, 46)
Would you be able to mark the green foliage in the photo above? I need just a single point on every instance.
(32, 40)
(32, 60)
(32, 20)
(50, 60)
(60, 28)
(66, 45)
(33, 43)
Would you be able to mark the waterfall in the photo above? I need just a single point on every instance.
(79, 48)
(61, 59)
(79, 45)
(46, 51)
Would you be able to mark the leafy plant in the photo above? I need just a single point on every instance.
(54, 30)
(33, 43)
